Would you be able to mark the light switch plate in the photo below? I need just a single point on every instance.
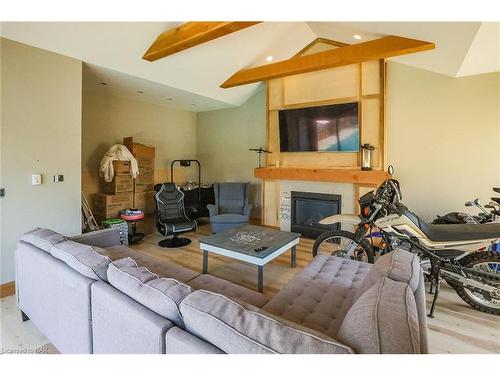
(36, 179)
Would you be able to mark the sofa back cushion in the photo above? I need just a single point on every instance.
(383, 320)
(161, 267)
(161, 295)
(43, 238)
(228, 289)
(238, 329)
(82, 258)
(398, 265)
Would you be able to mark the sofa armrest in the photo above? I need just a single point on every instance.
(100, 238)
(121, 325)
(178, 341)
(212, 209)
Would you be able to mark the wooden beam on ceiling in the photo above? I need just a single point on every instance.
(388, 46)
(191, 34)
(331, 42)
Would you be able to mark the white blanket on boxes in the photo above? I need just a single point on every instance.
(117, 152)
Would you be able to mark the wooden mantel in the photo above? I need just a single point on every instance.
(354, 176)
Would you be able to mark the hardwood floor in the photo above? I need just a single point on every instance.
(276, 273)
(456, 328)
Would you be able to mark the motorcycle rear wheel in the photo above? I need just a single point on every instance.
(488, 261)
(335, 242)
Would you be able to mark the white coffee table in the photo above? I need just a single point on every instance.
(241, 242)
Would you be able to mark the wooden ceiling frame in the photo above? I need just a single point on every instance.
(382, 48)
(331, 42)
(191, 34)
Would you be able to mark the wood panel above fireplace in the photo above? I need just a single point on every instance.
(355, 176)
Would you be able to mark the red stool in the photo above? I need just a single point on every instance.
(133, 236)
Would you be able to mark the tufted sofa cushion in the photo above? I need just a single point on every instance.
(398, 265)
(43, 238)
(161, 295)
(238, 329)
(227, 288)
(320, 296)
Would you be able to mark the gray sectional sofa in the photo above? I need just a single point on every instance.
(90, 294)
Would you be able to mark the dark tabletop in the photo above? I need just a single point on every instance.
(246, 238)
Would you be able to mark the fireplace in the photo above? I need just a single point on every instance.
(307, 209)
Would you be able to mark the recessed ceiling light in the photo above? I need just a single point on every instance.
(169, 99)
(140, 92)
(104, 83)
(357, 37)
(269, 58)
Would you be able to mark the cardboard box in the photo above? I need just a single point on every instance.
(139, 151)
(146, 166)
(121, 167)
(108, 206)
(145, 201)
(143, 183)
(121, 184)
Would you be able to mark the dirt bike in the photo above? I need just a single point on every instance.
(467, 256)
(484, 216)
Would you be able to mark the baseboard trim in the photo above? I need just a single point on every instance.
(7, 289)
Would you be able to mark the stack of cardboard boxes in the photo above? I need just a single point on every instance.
(126, 192)
(116, 195)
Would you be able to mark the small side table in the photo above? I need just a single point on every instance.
(133, 236)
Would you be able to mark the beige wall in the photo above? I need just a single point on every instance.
(41, 133)
(108, 119)
(443, 137)
(224, 137)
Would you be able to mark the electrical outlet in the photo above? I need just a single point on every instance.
(58, 178)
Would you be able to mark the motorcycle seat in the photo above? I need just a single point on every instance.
(460, 232)
(496, 199)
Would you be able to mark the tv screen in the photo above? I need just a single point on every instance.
(329, 128)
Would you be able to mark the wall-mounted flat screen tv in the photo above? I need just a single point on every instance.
(328, 128)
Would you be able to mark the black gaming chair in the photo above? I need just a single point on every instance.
(171, 218)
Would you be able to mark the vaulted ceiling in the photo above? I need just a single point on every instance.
(191, 78)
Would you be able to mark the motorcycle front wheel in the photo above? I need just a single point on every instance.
(486, 261)
(338, 242)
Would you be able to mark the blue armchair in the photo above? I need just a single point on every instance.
(231, 206)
